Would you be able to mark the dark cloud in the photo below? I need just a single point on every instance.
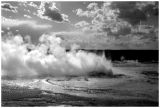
(151, 9)
(134, 12)
(8, 7)
(53, 14)
(134, 16)
(49, 11)
(129, 12)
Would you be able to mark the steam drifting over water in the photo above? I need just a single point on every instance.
(25, 60)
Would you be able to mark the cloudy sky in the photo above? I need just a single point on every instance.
(91, 25)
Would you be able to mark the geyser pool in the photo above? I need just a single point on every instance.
(48, 58)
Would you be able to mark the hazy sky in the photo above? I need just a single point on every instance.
(93, 25)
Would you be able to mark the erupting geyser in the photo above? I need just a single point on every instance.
(48, 58)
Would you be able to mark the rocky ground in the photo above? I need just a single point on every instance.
(131, 85)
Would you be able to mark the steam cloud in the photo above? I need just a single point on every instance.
(48, 58)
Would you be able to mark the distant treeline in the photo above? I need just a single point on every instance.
(140, 55)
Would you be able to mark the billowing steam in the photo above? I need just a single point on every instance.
(48, 58)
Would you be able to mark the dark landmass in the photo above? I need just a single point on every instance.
(140, 55)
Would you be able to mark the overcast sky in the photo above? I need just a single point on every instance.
(91, 25)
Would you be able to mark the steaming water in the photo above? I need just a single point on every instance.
(48, 58)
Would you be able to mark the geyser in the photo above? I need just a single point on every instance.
(48, 58)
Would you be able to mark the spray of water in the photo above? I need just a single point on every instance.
(48, 58)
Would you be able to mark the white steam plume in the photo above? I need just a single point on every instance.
(48, 58)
